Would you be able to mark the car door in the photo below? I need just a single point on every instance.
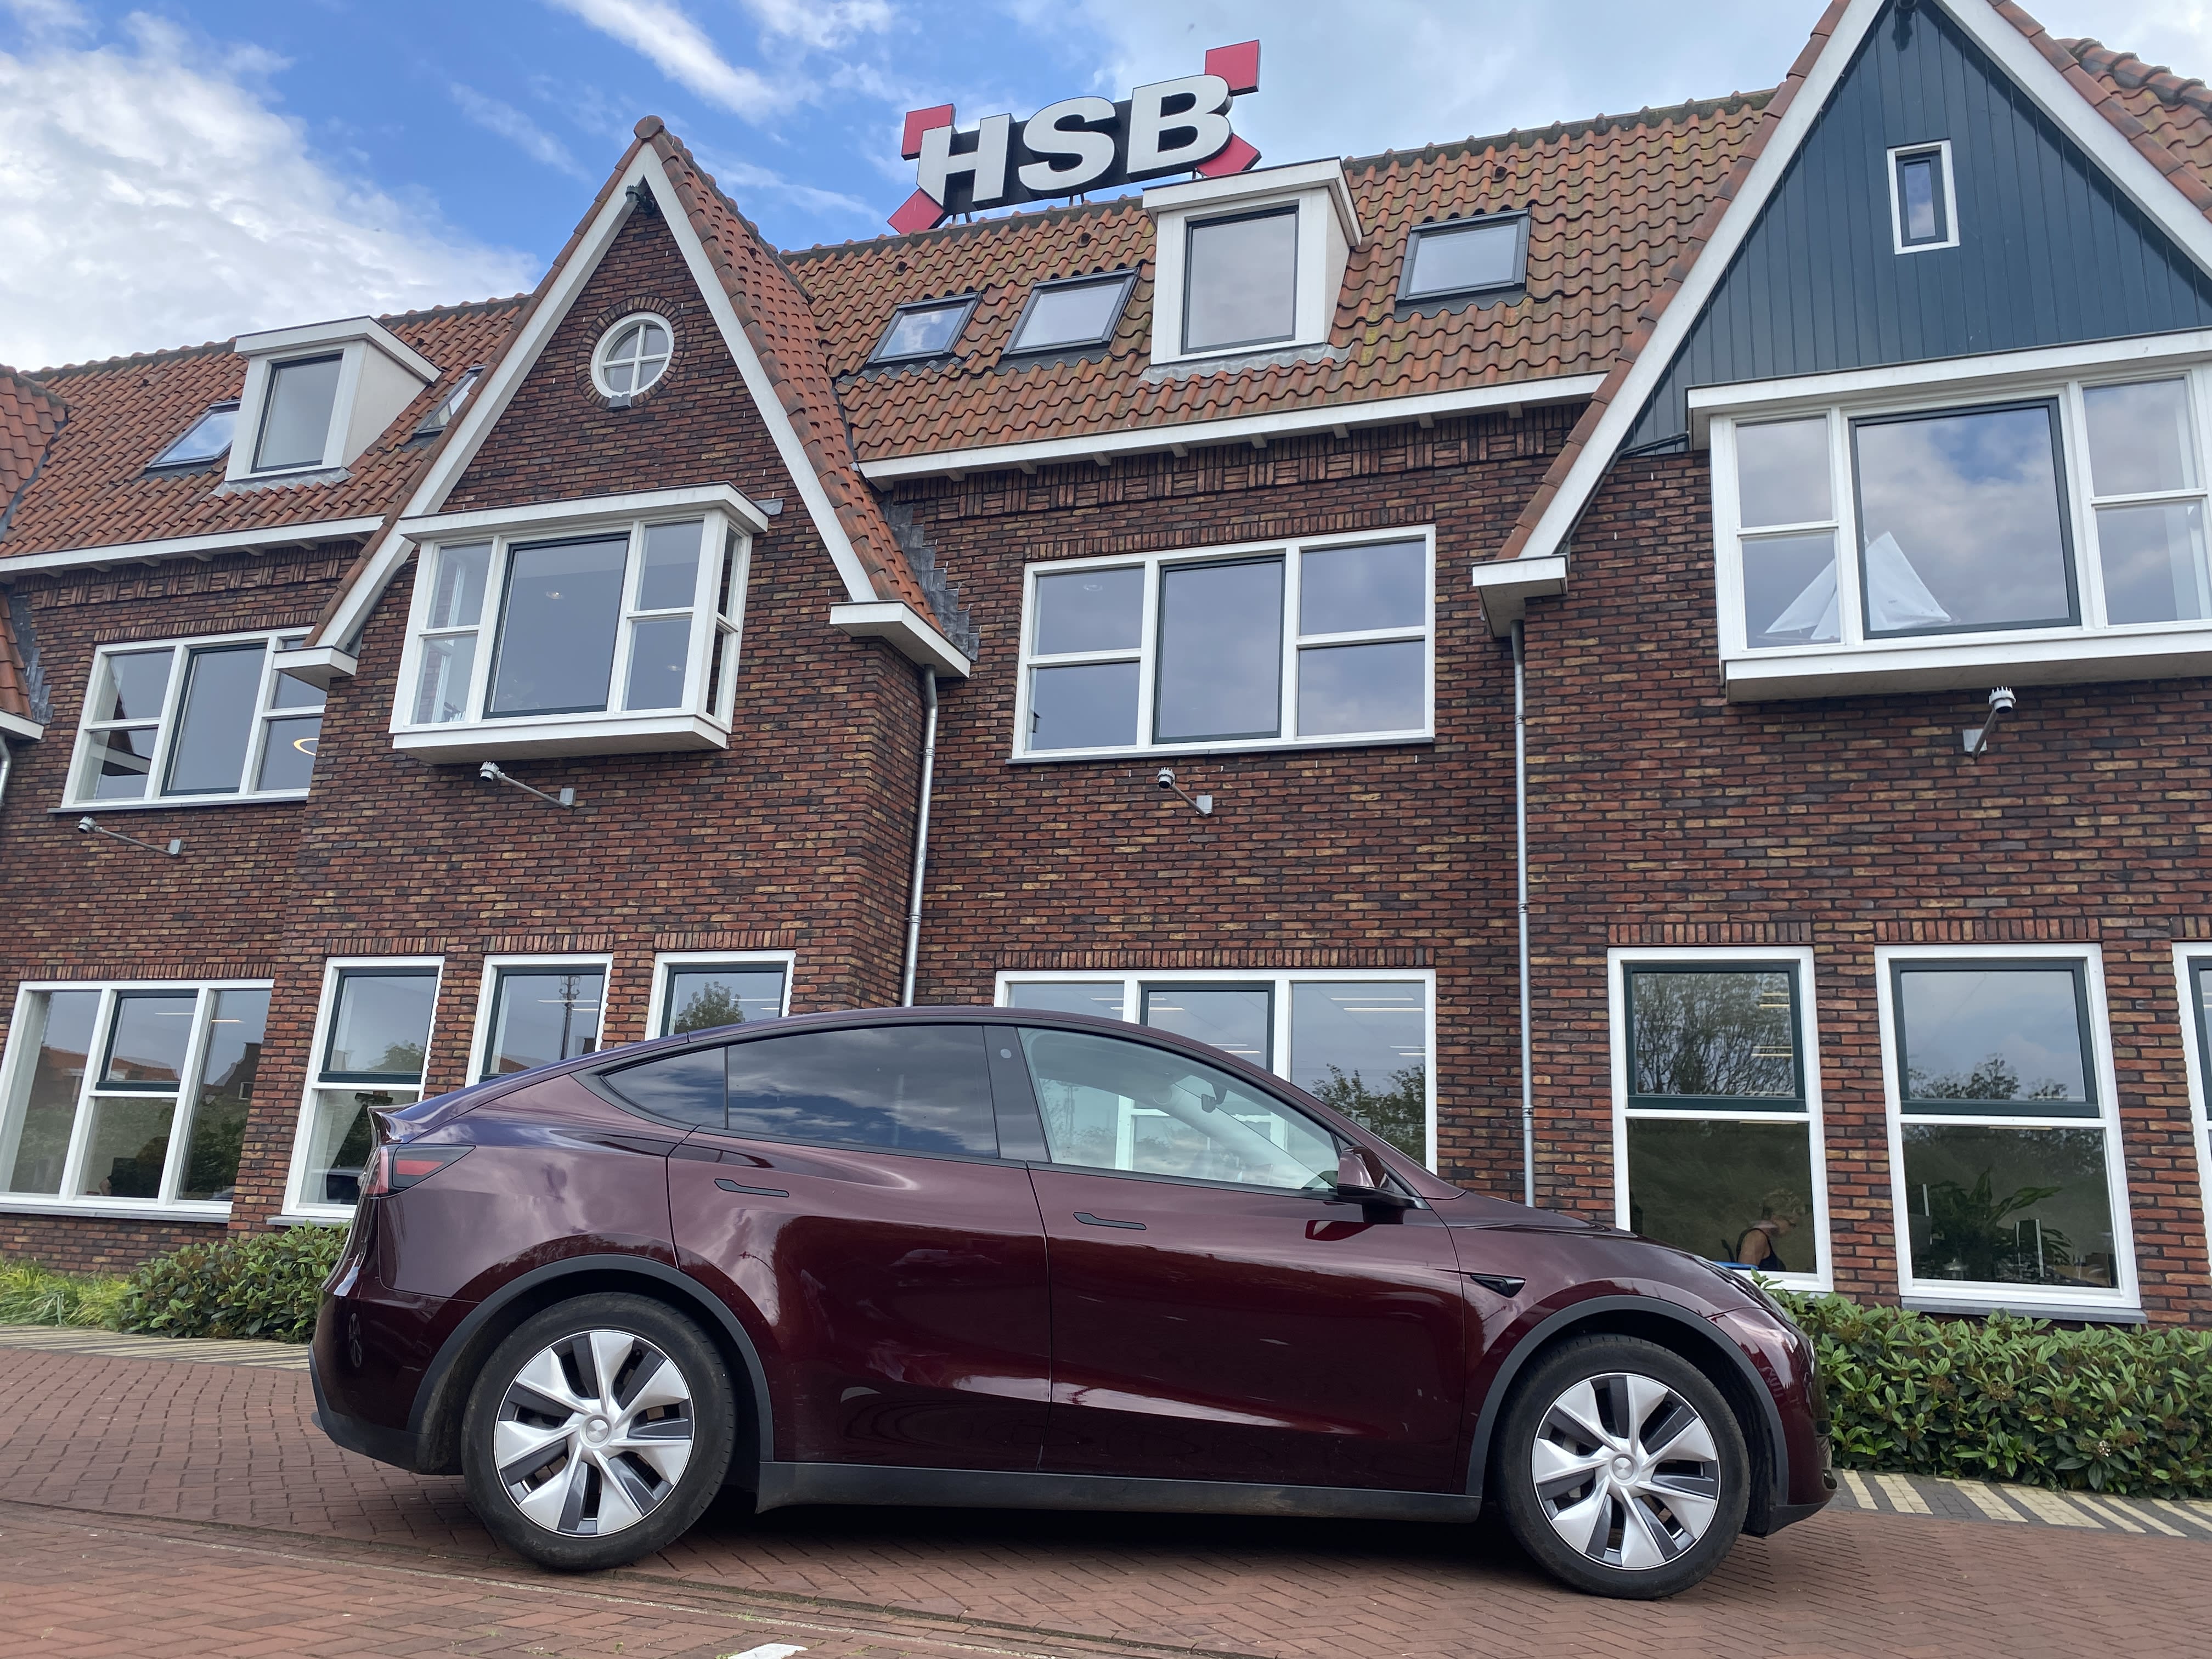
(848, 1200)
(1214, 1318)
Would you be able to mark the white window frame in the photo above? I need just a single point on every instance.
(1328, 232)
(730, 522)
(2092, 650)
(1953, 1295)
(15, 1069)
(167, 725)
(1940, 148)
(480, 1035)
(2186, 957)
(378, 376)
(1280, 980)
(665, 961)
(297, 1206)
(1146, 653)
(605, 344)
(1797, 959)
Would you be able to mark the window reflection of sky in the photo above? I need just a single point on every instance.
(1955, 1020)
(1221, 630)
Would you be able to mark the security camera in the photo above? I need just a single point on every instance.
(85, 826)
(489, 772)
(2002, 701)
(1166, 779)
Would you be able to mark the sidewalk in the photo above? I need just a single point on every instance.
(153, 1461)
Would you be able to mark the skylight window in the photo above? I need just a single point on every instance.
(208, 440)
(1468, 256)
(450, 405)
(1079, 312)
(927, 329)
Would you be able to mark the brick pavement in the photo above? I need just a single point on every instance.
(177, 1447)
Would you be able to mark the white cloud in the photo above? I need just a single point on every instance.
(821, 23)
(736, 178)
(680, 49)
(519, 130)
(149, 197)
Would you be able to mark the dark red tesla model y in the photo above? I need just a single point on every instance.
(985, 1256)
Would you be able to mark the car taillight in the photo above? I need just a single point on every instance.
(394, 1169)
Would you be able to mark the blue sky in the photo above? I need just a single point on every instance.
(178, 170)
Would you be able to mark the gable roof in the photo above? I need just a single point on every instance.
(95, 489)
(30, 415)
(1545, 520)
(1611, 203)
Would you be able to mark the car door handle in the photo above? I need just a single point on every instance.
(763, 1191)
(1091, 1220)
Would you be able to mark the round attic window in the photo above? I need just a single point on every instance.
(632, 356)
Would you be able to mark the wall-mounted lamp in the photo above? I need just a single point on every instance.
(1975, 740)
(1203, 803)
(86, 827)
(490, 772)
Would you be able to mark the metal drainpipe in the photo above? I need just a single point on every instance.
(1521, 896)
(920, 837)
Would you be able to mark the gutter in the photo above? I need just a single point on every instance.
(920, 837)
(1521, 904)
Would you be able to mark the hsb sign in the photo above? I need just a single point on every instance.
(1079, 144)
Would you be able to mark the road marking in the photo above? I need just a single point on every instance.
(1901, 1491)
(1855, 1485)
(767, 1650)
(2109, 1510)
(2049, 1506)
(2181, 1511)
(1986, 1499)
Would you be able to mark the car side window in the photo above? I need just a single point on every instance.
(685, 1087)
(904, 1088)
(1109, 1103)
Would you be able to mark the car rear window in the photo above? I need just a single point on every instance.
(904, 1088)
(685, 1087)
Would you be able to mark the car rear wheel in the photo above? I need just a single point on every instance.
(1621, 1469)
(598, 1432)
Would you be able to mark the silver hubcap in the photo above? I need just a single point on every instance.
(594, 1433)
(1626, 1470)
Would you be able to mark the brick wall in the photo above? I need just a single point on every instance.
(1663, 814)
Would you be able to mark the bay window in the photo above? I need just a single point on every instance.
(1358, 1041)
(1311, 642)
(193, 721)
(129, 1098)
(1716, 1107)
(371, 1041)
(2005, 1142)
(593, 628)
(2025, 528)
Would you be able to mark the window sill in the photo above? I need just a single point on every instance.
(170, 804)
(1971, 662)
(1201, 751)
(311, 1219)
(2102, 1313)
(588, 734)
(113, 1209)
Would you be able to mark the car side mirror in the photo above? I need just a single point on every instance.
(1359, 1178)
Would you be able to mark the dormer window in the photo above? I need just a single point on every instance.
(442, 415)
(207, 440)
(927, 329)
(1250, 262)
(1466, 256)
(295, 413)
(1065, 315)
(315, 397)
(1240, 284)
(1923, 212)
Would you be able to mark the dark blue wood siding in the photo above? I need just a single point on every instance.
(2050, 251)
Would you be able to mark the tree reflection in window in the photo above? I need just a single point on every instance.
(1719, 1036)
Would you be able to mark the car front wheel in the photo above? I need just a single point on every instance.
(598, 1432)
(1621, 1469)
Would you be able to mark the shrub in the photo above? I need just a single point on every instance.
(255, 1285)
(2123, 1411)
(33, 1295)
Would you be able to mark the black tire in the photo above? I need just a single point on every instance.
(1644, 1525)
(598, 1467)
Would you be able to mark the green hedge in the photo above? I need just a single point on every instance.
(251, 1285)
(33, 1295)
(2115, 1410)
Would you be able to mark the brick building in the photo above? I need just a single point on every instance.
(530, 675)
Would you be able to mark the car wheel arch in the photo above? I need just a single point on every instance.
(439, 1401)
(1679, 1330)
